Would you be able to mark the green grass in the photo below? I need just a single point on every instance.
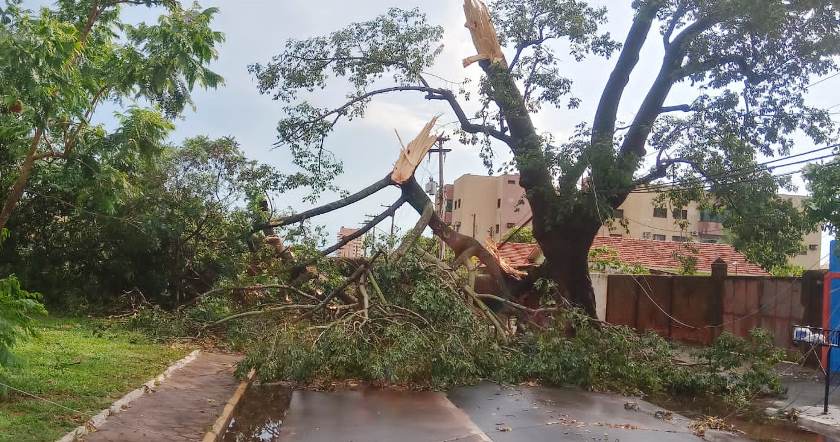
(81, 364)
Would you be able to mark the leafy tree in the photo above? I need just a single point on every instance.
(171, 229)
(750, 62)
(524, 235)
(824, 203)
(60, 64)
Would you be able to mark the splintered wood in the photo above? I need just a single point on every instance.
(411, 155)
(508, 269)
(483, 34)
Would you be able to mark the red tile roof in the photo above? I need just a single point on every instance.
(654, 255)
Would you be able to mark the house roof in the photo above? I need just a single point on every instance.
(653, 255)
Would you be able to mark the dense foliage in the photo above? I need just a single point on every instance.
(17, 308)
(424, 334)
(175, 229)
(824, 204)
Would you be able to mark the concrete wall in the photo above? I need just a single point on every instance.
(599, 285)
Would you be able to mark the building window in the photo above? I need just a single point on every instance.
(709, 241)
(511, 181)
(657, 237)
(710, 216)
(813, 247)
(645, 235)
(618, 213)
(678, 238)
(660, 212)
(448, 205)
(498, 203)
(511, 225)
(497, 228)
(615, 235)
(458, 203)
(680, 214)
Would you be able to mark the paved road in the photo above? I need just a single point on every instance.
(486, 412)
(183, 408)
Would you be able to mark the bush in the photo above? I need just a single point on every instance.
(16, 309)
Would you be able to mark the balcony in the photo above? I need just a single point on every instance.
(709, 228)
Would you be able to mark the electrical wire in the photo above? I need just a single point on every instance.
(744, 171)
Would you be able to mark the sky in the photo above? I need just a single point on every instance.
(256, 30)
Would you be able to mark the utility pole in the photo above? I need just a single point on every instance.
(440, 198)
(391, 239)
(372, 234)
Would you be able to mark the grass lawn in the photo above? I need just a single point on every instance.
(80, 364)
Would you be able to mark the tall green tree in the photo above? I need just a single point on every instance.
(60, 64)
(823, 182)
(750, 62)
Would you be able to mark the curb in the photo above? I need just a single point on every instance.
(220, 426)
(812, 419)
(122, 403)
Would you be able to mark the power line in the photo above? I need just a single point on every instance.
(709, 184)
(823, 79)
(746, 170)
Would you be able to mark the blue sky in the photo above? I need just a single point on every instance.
(257, 29)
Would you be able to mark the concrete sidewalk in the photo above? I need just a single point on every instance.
(183, 408)
(806, 397)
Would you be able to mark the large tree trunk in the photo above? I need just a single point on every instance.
(567, 264)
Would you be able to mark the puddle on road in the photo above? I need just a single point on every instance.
(260, 414)
(758, 428)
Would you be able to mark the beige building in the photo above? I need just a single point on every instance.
(639, 218)
(488, 206)
(354, 248)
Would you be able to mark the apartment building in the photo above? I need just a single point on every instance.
(487, 206)
(354, 248)
(643, 219)
(491, 206)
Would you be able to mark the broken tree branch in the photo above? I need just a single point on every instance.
(326, 208)
(500, 329)
(278, 308)
(375, 286)
(340, 289)
(411, 155)
(483, 34)
(409, 240)
(379, 218)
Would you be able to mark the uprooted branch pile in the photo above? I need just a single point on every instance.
(405, 318)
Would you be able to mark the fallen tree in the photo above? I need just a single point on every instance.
(402, 176)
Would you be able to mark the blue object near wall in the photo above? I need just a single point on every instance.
(834, 297)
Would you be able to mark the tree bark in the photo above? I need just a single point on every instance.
(16, 191)
(567, 264)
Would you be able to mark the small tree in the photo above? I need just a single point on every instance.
(749, 61)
